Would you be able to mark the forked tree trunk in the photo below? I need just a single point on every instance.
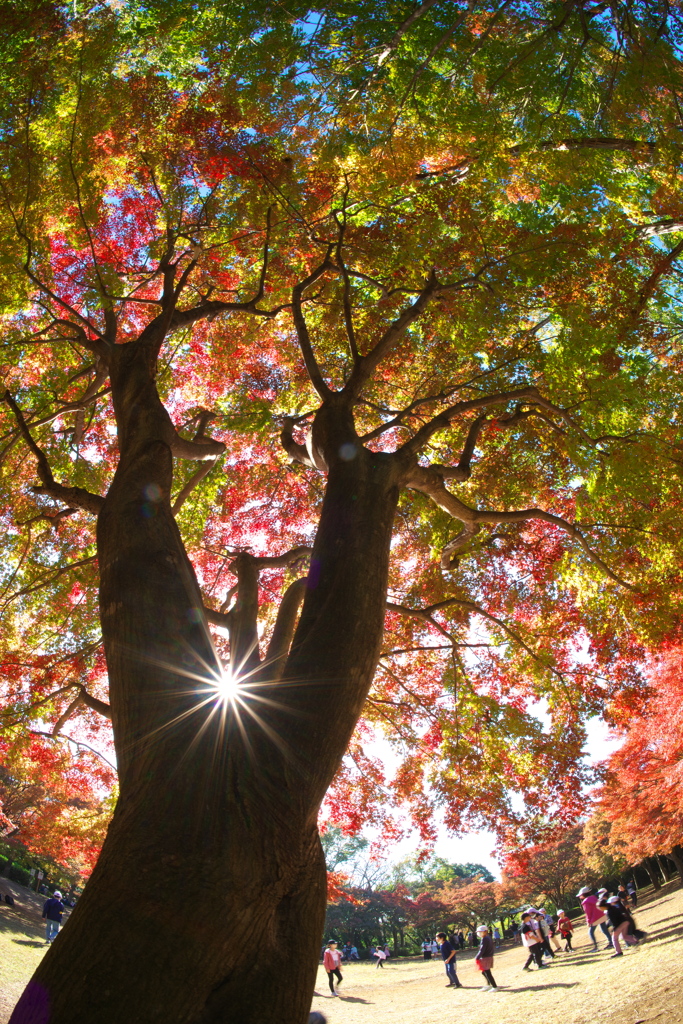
(207, 903)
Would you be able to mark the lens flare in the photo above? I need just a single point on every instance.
(227, 686)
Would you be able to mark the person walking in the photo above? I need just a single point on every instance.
(496, 938)
(544, 934)
(565, 928)
(531, 943)
(427, 949)
(484, 958)
(552, 929)
(380, 956)
(331, 962)
(448, 956)
(594, 916)
(52, 915)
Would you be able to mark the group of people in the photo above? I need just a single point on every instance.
(603, 910)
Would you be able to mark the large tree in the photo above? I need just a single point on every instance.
(386, 253)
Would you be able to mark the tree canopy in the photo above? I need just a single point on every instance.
(400, 284)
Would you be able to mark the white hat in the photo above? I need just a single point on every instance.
(481, 928)
(613, 899)
(602, 890)
(57, 894)
(560, 911)
(582, 892)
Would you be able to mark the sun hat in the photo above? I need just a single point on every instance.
(613, 899)
(57, 894)
(482, 928)
(582, 892)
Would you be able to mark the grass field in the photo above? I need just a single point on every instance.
(641, 987)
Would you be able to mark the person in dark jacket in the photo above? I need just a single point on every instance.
(621, 921)
(52, 914)
(484, 958)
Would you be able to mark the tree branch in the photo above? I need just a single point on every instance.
(445, 418)
(366, 365)
(64, 718)
(661, 268)
(94, 704)
(76, 496)
(283, 631)
(430, 482)
(196, 478)
(301, 327)
(659, 227)
(297, 452)
(427, 615)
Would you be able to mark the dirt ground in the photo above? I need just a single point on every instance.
(641, 987)
(580, 988)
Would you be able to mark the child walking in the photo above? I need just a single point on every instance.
(484, 958)
(331, 961)
(565, 928)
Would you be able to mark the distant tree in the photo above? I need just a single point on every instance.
(431, 875)
(553, 870)
(642, 797)
(480, 901)
(340, 848)
(602, 853)
(53, 802)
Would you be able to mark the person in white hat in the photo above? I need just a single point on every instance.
(621, 921)
(484, 958)
(52, 914)
(594, 916)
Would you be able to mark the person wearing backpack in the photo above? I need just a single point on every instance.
(531, 943)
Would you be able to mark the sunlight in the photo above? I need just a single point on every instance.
(227, 686)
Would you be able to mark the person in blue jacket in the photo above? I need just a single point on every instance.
(52, 913)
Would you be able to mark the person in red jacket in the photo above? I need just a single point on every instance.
(331, 961)
(595, 916)
(565, 928)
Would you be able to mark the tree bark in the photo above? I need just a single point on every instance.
(207, 902)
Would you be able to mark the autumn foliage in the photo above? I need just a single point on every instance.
(341, 366)
(642, 798)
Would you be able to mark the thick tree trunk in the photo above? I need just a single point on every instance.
(207, 903)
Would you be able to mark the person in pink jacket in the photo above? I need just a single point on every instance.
(331, 961)
(595, 916)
